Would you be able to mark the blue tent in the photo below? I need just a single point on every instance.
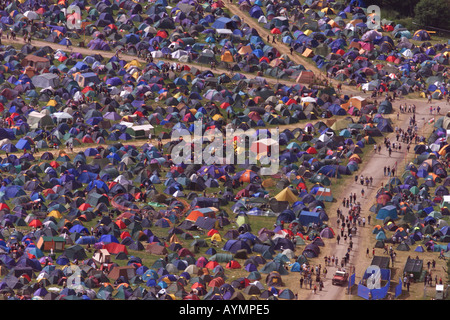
(86, 240)
(295, 267)
(108, 238)
(99, 184)
(13, 191)
(307, 217)
(86, 177)
(234, 245)
(224, 23)
(387, 211)
(256, 12)
(23, 144)
(79, 229)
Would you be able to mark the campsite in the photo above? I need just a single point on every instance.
(93, 205)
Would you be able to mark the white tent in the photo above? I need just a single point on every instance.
(39, 120)
(309, 99)
(177, 54)
(262, 19)
(368, 86)
(157, 54)
(4, 141)
(60, 116)
(122, 180)
(224, 31)
(408, 53)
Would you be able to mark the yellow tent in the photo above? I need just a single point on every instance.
(443, 150)
(216, 237)
(52, 103)
(133, 63)
(286, 195)
(268, 183)
(175, 239)
(55, 214)
(328, 11)
(355, 158)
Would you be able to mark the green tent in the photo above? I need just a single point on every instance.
(242, 219)
(221, 257)
(320, 178)
(75, 252)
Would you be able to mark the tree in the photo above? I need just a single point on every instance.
(402, 7)
(434, 13)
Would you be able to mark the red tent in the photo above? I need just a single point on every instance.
(121, 224)
(84, 206)
(212, 232)
(233, 264)
(125, 234)
(54, 164)
(211, 265)
(35, 223)
(224, 105)
(162, 34)
(275, 31)
(87, 139)
(183, 252)
(115, 248)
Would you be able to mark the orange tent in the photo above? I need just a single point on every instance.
(227, 57)
(121, 224)
(201, 212)
(211, 265)
(216, 282)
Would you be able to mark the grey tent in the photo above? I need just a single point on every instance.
(75, 252)
(95, 198)
(46, 80)
(39, 120)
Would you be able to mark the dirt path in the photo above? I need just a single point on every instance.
(373, 167)
(127, 57)
(281, 47)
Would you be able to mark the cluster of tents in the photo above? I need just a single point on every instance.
(339, 41)
(73, 192)
(138, 202)
(412, 207)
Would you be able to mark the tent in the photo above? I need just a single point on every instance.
(307, 217)
(286, 195)
(84, 79)
(46, 80)
(387, 211)
(39, 120)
